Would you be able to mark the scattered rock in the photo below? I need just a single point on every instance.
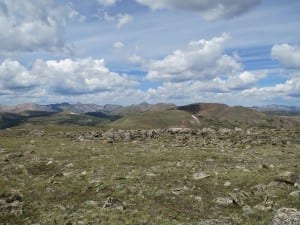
(198, 198)
(200, 176)
(224, 201)
(266, 205)
(178, 191)
(113, 204)
(11, 196)
(92, 203)
(287, 216)
(227, 184)
(247, 210)
(83, 173)
(70, 165)
(11, 203)
(295, 194)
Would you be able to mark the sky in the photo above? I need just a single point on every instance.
(237, 52)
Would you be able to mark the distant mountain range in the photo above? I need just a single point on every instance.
(281, 110)
(86, 108)
(147, 116)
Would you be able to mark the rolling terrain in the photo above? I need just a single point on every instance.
(143, 115)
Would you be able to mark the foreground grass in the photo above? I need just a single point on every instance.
(66, 181)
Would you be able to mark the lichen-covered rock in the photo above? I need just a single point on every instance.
(287, 216)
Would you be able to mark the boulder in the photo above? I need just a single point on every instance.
(287, 177)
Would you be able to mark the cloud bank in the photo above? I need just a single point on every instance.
(64, 77)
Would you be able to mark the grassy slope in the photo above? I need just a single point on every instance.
(148, 120)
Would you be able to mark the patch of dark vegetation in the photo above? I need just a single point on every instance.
(10, 119)
(104, 116)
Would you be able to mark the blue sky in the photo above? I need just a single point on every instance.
(238, 52)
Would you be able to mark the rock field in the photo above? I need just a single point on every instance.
(162, 176)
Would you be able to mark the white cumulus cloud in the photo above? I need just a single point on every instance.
(210, 10)
(81, 76)
(64, 77)
(290, 88)
(288, 55)
(15, 77)
(200, 60)
(191, 90)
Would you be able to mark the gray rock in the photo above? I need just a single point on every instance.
(113, 204)
(247, 210)
(287, 177)
(295, 194)
(225, 201)
(200, 176)
(287, 216)
(227, 184)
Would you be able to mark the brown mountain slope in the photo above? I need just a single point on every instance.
(223, 115)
